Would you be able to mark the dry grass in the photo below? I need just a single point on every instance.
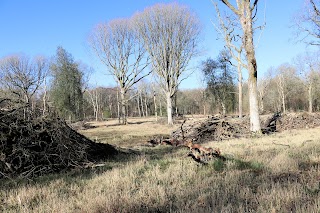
(138, 131)
(277, 173)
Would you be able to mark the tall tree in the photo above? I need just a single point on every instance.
(170, 33)
(67, 85)
(246, 11)
(119, 48)
(21, 77)
(229, 28)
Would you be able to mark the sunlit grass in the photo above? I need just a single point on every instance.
(276, 173)
(137, 132)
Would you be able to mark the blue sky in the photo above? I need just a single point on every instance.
(37, 27)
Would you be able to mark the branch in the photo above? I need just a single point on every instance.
(227, 3)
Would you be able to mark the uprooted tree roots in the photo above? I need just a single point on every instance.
(43, 144)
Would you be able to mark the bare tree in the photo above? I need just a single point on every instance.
(308, 65)
(22, 77)
(119, 48)
(170, 33)
(282, 91)
(94, 97)
(263, 86)
(307, 23)
(229, 28)
(286, 80)
(245, 12)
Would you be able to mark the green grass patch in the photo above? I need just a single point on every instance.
(244, 165)
(218, 165)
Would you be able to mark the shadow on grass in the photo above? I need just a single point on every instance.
(133, 122)
(156, 155)
(160, 152)
(82, 174)
(220, 165)
(140, 122)
(68, 176)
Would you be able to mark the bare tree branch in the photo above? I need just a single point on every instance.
(170, 33)
(121, 50)
(226, 2)
(246, 19)
(307, 23)
(22, 77)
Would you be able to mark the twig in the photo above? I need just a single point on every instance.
(280, 144)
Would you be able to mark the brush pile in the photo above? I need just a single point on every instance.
(299, 121)
(218, 129)
(213, 129)
(33, 145)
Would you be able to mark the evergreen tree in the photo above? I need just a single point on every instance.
(219, 78)
(67, 86)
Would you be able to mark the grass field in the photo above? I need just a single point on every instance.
(275, 173)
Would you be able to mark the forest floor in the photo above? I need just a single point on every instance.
(279, 172)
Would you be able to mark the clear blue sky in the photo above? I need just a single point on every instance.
(37, 27)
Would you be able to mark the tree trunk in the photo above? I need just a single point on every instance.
(97, 105)
(160, 108)
(175, 104)
(246, 22)
(110, 106)
(254, 108)
(240, 89)
(282, 97)
(146, 105)
(223, 106)
(141, 102)
(123, 107)
(310, 97)
(155, 105)
(261, 104)
(283, 103)
(138, 103)
(118, 106)
(96, 113)
(169, 108)
(44, 99)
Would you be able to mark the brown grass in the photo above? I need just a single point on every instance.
(277, 173)
(138, 131)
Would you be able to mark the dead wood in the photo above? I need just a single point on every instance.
(43, 144)
(280, 144)
(213, 129)
(197, 158)
(270, 124)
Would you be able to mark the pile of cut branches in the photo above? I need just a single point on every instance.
(217, 129)
(299, 121)
(213, 129)
(36, 145)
